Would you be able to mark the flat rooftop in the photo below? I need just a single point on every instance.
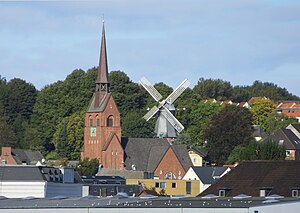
(133, 202)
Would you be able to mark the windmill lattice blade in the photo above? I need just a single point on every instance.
(151, 90)
(151, 113)
(171, 118)
(178, 91)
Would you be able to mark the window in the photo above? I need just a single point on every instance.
(188, 188)
(295, 193)
(90, 121)
(110, 121)
(97, 121)
(170, 176)
(160, 185)
(174, 185)
(222, 193)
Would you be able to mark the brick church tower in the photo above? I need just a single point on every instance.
(102, 130)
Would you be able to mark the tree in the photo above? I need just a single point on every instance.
(276, 121)
(200, 116)
(256, 151)
(87, 167)
(134, 126)
(7, 136)
(231, 127)
(261, 109)
(211, 88)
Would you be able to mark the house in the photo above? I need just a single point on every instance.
(206, 175)
(289, 138)
(158, 156)
(253, 99)
(226, 102)
(243, 104)
(20, 157)
(131, 174)
(104, 186)
(259, 179)
(197, 156)
(289, 108)
(39, 181)
(169, 187)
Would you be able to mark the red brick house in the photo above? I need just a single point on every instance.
(102, 131)
(158, 156)
(12, 156)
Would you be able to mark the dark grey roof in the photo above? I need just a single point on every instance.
(251, 176)
(201, 152)
(208, 175)
(146, 153)
(21, 173)
(128, 174)
(259, 132)
(289, 139)
(33, 173)
(98, 104)
(138, 150)
(296, 126)
(26, 156)
(183, 156)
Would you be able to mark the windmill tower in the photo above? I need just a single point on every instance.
(167, 126)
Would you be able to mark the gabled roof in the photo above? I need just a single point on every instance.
(286, 138)
(251, 176)
(297, 127)
(147, 153)
(208, 175)
(26, 156)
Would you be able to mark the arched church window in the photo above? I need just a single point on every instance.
(110, 121)
(97, 121)
(90, 121)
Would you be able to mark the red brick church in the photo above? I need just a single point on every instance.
(102, 130)
(102, 136)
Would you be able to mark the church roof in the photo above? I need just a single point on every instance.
(98, 107)
(146, 153)
(103, 67)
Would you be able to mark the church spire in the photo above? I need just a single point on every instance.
(102, 83)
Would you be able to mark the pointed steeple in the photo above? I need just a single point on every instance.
(102, 83)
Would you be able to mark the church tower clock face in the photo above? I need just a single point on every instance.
(93, 131)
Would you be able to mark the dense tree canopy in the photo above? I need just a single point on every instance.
(231, 127)
(51, 120)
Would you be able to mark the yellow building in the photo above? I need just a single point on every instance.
(170, 187)
(196, 157)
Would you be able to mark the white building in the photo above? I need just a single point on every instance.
(39, 181)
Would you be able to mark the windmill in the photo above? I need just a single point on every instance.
(167, 126)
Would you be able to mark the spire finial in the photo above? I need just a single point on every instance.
(103, 18)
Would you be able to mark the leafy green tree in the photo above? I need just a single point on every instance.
(261, 109)
(134, 126)
(211, 88)
(275, 121)
(200, 116)
(7, 136)
(88, 167)
(270, 90)
(128, 95)
(231, 127)
(69, 136)
(256, 151)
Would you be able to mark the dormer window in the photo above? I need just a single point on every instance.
(295, 193)
(265, 191)
(223, 192)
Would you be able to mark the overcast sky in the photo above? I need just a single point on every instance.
(239, 41)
